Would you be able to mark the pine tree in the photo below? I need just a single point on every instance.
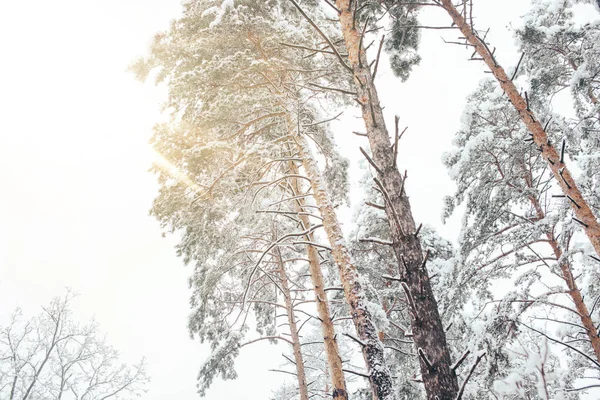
(559, 54)
(371, 247)
(512, 224)
(214, 76)
(428, 332)
(512, 229)
(555, 159)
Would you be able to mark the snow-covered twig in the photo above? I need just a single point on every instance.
(376, 240)
(426, 360)
(265, 252)
(563, 343)
(323, 35)
(267, 338)
(392, 278)
(411, 301)
(325, 120)
(306, 242)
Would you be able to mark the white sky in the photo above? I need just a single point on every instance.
(75, 196)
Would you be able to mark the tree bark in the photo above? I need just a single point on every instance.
(430, 339)
(372, 348)
(332, 351)
(289, 308)
(566, 182)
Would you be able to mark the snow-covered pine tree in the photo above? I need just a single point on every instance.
(530, 118)
(276, 80)
(516, 234)
(428, 333)
(217, 75)
(402, 37)
(371, 248)
(242, 258)
(315, 360)
(562, 51)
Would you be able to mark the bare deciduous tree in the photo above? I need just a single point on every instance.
(50, 356)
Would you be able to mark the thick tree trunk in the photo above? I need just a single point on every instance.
(574, 292)
(540, 137)
(316, 275)
(289, 308)
(372, 348)
(430, 339)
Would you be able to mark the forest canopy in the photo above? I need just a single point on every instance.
(251, 180)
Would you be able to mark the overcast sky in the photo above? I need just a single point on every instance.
(74, 127)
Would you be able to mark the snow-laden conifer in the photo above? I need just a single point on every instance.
(233, 83)
(517, 258)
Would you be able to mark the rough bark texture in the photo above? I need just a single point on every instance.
(289, 308)
(316, 275)
(430, 339)
(579, 205)
(372, 348)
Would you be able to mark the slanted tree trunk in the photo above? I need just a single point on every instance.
(372, 348)
(332, 351)
(289, 308)
(566, 182)
(574, 292)
(430, 339)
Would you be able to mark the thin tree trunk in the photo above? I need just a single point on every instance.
(574, 292)
(540, 137)
(316, 275)
(372, 348)
(289, 308)
(428, 333)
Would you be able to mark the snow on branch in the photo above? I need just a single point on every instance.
(392, 278)
(563, 343)
(308, 243)
(376, 240)
(268, 249)
(323, 35)
(267, 338)
(411, 301)
(424, 358)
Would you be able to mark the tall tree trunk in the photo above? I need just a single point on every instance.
(289, 308)
(372, 348)
(566, 182)
(574, 292)
(332, 351)
(428, 333)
